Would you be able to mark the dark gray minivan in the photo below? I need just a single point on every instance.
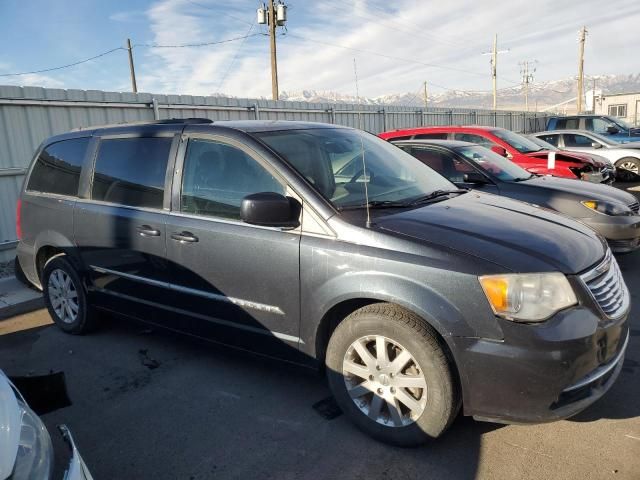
(418, 298)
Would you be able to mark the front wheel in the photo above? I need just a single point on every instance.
(630, 164)
(390, 374)
(65, 297)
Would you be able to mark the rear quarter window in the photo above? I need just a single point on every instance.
(57, 168)
(131, 171)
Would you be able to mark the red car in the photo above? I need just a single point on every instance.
(515, 147)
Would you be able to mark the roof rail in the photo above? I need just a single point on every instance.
(167, 121)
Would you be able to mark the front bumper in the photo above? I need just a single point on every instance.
(77, 469)
(541, 373)
(622, 232)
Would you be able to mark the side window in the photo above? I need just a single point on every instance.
(599, 125)
(131, 171)
(216, 177)
(572, 140)
(57, 169)
(552, 139)
(477, 139)
(431, 136)
(443, 163)
(567, 123)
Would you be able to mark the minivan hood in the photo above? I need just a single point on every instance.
(582, 189)
(515, 235)
(10, 426)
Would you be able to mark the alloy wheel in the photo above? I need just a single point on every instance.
(631, 166)
(63, 296)
(385, 381)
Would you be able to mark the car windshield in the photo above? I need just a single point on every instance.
(494, 164)
(620, 123)
(345, 166)
(543, 144)
(520, 143)
(600, 138)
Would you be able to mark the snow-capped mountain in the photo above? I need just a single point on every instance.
(542, 95)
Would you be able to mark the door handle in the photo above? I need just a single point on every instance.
(147, 231)
(184, 237)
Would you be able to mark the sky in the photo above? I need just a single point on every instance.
(397, 45)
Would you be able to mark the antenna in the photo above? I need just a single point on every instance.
(364, 163)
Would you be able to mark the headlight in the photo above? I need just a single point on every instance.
(35, 452)
(531, 297)
(608, 208)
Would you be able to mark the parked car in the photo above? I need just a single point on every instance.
(613, 128)
(26, 451)
(552, 148)
(516, 148)
(410, 292)
(611, 212)
(625, 156)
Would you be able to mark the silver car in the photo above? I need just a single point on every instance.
(625, 156)
(26, 452)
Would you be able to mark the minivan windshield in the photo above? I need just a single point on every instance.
(520, 143)
(344, 165)
(495, 164)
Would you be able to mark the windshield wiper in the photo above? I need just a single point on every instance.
(435, 194)
(522, 179)
(377, 204)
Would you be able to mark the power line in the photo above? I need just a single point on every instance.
(202, 44)
(235, 57)
(44, 70)
(143, 45)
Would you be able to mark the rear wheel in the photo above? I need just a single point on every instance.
(65, 297)
(390, 374)
(630, 164)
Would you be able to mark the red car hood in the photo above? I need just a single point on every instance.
(571, 157)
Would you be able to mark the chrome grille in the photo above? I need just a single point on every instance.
(635, 207)
(607, 287)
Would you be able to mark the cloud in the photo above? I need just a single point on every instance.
(396, 46)
(32, 80)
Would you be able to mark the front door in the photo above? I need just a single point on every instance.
(238, 283)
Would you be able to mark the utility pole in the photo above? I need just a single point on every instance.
(494, 69)
(581, 40)
(425, 95)
(275, 15)
(527, 78)
(593, 95)
(132, 70)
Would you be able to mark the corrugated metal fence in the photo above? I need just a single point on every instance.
(28, 115)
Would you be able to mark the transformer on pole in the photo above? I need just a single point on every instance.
(273, 15)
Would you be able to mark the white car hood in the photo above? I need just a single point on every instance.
(10, 426)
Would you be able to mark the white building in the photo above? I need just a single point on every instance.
(622, 105)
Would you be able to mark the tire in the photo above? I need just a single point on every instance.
(434, 407)
(66, 297)
(631, 164)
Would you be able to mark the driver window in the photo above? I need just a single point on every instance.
(216, 177)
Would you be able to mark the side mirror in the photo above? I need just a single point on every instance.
(499, 150)
(612, 130)
(270, 209)
(475, 177)
(596, 145)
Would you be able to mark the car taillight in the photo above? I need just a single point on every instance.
(19, 219)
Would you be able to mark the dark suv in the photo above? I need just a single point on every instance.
(417, 297)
